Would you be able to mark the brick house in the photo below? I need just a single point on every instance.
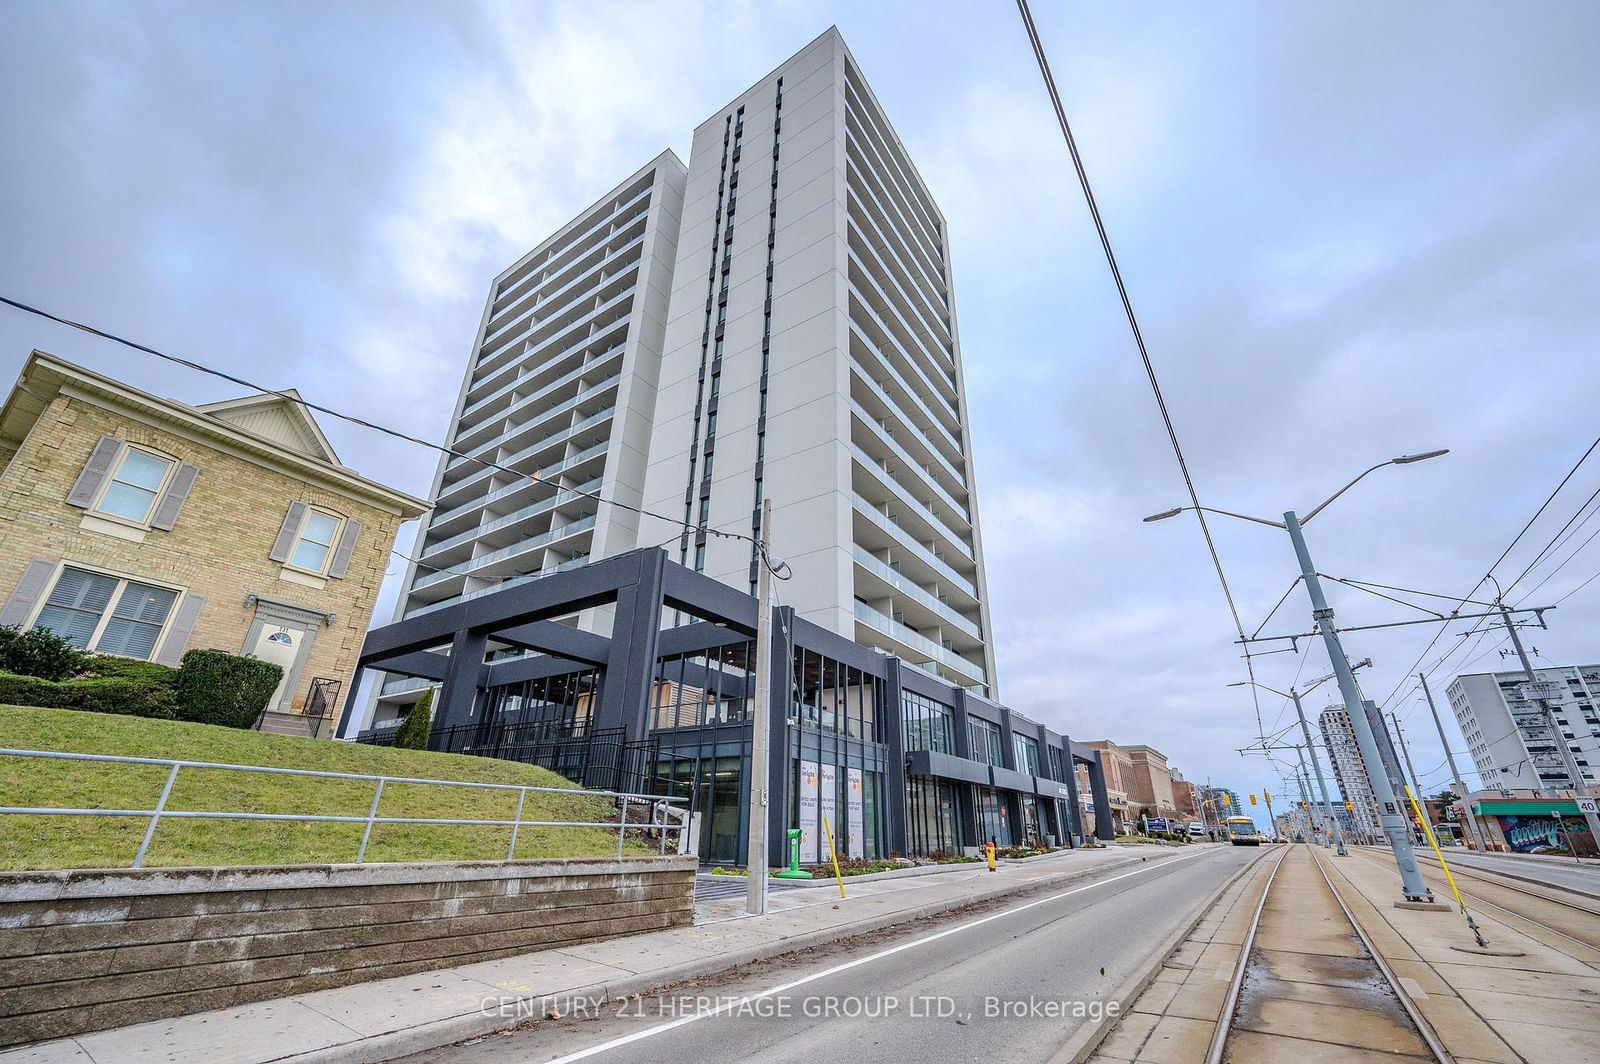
(144, 527)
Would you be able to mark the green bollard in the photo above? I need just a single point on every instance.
(794, 870)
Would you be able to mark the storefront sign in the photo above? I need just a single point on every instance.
(855, 813)
(808, 812)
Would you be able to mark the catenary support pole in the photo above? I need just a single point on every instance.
(756, 840)
(1405, 752)
(1322, 783)
(1455, 774)
(1311, 802)
(1575, 776)
(1412, 886)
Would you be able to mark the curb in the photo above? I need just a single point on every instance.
(1087, 1039)
(475, 1025)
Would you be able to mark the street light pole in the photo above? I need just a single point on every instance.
(1322, 783)
(1455, 775)
(1412, 886)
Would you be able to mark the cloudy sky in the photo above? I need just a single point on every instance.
(1350, 231)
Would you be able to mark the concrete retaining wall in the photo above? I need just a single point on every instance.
(87, 950)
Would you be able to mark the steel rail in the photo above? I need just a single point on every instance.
(1435, 1046)
(1219, 1037)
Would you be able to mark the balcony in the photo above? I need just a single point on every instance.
(453, 600)
(522, 546)
(885, 439)
(862, 314)
(478, 406)
(877, 395)
(563, 259)
(528, 481)
(473, 442)
(903, 585)
(918, 510)
(550, 439)
(919, 643)
(904, 538)
(496, 328)
(560, 498)
(575, 325)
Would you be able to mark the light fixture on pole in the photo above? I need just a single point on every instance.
(1412, 886)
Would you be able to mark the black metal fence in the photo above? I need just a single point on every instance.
(597, 758)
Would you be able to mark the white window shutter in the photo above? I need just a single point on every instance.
(346, 547)
(182, 628)
(29, 589)
(166, 514)
(286, 535)
(94, 472)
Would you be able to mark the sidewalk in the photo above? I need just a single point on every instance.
(391, 1017)
(1541, 1006)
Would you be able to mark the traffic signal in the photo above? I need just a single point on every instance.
(1304, 806)
(1268, 795)
(1252, 799)
(1349, 808)
(1227, 799)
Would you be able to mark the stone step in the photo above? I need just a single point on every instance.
(286, 724)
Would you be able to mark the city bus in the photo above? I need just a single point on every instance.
(1242, 831)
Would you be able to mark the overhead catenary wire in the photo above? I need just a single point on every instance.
(361, 422)
(1138, 334)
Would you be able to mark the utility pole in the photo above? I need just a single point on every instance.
(1322, 783)
(1300, 753)
(756, 840)
(1405, 751)
(1412, 886)
(1575, 776)
(1460, 786)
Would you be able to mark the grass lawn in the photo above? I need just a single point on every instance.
(38, 842)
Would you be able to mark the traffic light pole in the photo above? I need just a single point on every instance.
(1322, 783)
(1412, 887)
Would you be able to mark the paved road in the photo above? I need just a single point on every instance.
(923, 993)
(1583, 877)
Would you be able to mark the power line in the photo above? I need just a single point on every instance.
(1406, 676)
(1138, 335)
(363, 423)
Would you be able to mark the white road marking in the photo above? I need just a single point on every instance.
(741, 1003)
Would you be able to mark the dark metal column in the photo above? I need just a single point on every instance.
(780, 758)
(1074, 805)
(966, 800)
(631, 658)
(1102, 801)
(458, 697)
(894, 736)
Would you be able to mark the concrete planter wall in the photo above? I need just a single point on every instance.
(90, 949)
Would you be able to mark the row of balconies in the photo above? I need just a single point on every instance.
(965, 670)
(476, 441)
(623, 211)
(522, 546)
(863, 120)
(474, 481)
(610, 265)
(568, 464)
(923, 273)
(561, 497)
(919, 315)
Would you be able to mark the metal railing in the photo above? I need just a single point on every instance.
(664, 816)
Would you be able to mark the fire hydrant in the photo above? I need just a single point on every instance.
(988, 853)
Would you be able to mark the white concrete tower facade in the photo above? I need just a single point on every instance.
(559, 393)
(811, 356)
(1349, 770)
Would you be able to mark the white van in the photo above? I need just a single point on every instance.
(1197, 831)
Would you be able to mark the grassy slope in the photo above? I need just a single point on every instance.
(36, 842)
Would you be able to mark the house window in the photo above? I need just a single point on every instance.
(107, 614)
(134, 485)
(314, 545)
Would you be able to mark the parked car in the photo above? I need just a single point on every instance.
(1197, 831)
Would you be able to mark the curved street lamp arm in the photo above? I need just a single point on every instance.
(1323, 505)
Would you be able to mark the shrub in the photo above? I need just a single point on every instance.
(121, 694)
(106, 666)
(110, 694)
(39, 652)
(414, 730)
(215, 687)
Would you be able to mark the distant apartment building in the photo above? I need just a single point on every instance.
(1511, 742)
(1349, 770)
(775, 320)
(142, 527)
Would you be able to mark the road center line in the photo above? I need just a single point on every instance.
(684, 1021)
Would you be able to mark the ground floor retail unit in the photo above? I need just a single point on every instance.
(895, 759)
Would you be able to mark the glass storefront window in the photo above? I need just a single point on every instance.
(929, 725)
